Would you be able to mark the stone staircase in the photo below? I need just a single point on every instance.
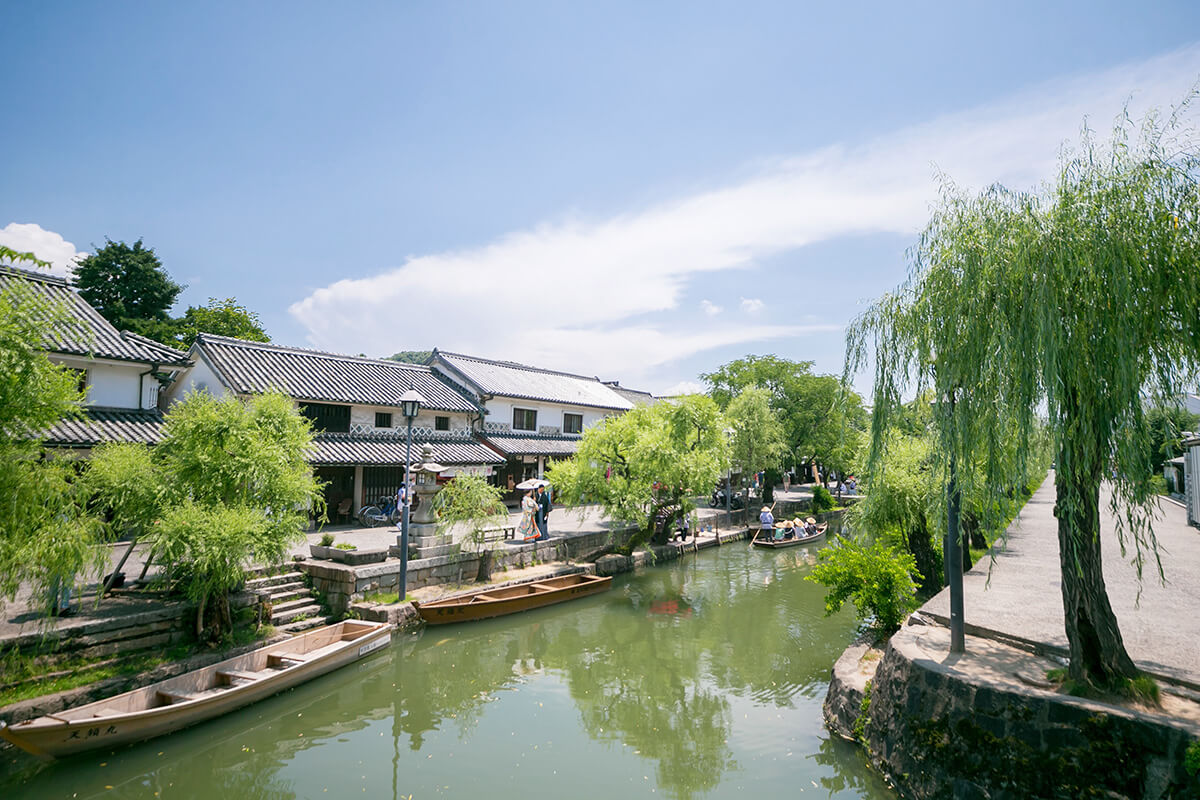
(432, 546)
(293, 607)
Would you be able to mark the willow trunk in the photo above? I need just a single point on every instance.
(1098, 654)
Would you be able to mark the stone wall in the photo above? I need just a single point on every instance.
(938, 732)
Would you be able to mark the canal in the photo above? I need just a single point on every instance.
(700, 678)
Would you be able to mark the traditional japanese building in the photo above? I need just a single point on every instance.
(123, 374)
(354, 404)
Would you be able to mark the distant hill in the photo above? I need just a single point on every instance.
(412, 356)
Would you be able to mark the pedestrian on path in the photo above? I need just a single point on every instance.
(527, 529)
(543, 513)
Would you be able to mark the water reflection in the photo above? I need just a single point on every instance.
(711, 669)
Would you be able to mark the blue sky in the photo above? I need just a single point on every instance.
(639, 191)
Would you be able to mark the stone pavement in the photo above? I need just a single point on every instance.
(1022, 599)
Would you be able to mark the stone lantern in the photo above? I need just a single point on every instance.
(424, 478)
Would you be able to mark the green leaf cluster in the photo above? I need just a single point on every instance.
(878, 578)
(471, 501)
(649, 460)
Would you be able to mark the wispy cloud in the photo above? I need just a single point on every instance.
(752, 305)
(28, 237)
(611, 275)
(710, 308)
(683, 387)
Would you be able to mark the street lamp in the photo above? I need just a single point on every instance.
(952, 546)
(410, 404)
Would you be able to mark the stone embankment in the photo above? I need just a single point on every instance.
(988, 725)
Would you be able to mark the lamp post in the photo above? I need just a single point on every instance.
(410, 404)
(952, 547)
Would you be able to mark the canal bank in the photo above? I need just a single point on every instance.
(988, 723)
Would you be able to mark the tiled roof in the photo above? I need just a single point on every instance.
(107, 425)
(533, 445)
(510, 379)
(632, 395)
(347, 448)
(87, 333)
(254, 367)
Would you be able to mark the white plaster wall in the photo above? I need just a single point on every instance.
(362, 420)
(500, 411)
(199, 377)
(110, 385)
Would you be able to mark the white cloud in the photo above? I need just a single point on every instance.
(684, 387)
(606, 277)
(752, 305)
(710, 308)
(29, 237)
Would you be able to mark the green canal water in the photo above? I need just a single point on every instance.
(700, 678)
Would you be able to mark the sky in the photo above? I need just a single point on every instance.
(636, 191)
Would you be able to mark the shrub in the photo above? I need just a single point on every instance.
(1191, 758)
(345, 546)
(822, 499)
(326, 539)
(879, 579)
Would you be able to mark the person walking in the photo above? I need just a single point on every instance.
(543, 516)
(527, 528)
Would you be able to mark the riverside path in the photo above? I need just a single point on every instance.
(1018, 594)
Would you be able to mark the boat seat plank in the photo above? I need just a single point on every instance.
(542, 586)
(175, 697)
(285, 659)
(238, 675)
(482, 597)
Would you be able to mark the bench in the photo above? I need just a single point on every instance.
(499, 534)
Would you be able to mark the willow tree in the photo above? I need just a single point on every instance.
(1079, 302)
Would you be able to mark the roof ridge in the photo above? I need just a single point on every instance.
(38, 276)
(154, 343)
(310, 351)
(543, 370)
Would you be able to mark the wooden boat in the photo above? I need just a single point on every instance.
(199, 695)
(487, 603)
(761, 541)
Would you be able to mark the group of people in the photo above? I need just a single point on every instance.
(535, 515)
(786, 529)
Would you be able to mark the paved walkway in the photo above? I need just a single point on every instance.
(1160, 623)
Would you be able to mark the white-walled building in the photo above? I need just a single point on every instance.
(353, 403)
(532, 415)
(122, 373)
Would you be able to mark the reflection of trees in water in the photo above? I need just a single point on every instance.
(847, 769)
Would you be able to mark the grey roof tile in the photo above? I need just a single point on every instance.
(87, 333)
(99, 425)
(533, 445)
(346, 448)
(511, 379)
(255, 367)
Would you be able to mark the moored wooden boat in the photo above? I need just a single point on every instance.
(199, 695)
(487, 603)
(761, 541)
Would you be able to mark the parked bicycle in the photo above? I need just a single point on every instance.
(384, 512)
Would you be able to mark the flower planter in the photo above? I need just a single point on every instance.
(321, 551)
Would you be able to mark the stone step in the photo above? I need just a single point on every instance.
(291, 615)
(288, 593)
(303, 624)
(438, 550)
(428, 541)
(288, 605)
(257, 584)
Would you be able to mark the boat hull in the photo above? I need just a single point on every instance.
(118, 720)
(486, 604)
(776, 544)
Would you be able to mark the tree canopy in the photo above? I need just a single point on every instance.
(647, 461)
(757, 441)
(128, 286)
(221, 317)
(1080, 300)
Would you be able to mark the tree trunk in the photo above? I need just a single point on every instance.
(921, 547)
(1098, 655)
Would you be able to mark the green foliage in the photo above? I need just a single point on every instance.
(345, 546)
(647, 460)
(878, 578)
(470, 500)
(128, 286)
(223, 318)
(412, 356)
(46, 535)
(326, 540)
(1167, 424)
(1076, 303)
(228, 484)
(1191, 758)
(757, 441)
(1158, 485)
(864, 713)
(822, 499)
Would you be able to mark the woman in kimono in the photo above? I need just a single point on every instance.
(527, 529)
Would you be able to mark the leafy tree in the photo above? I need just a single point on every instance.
(777, 375)
(471, 501)
(878, 578)
(1167, 424)
(130, 288)
(757, 440)
(647, 462)
(223, 318)
(46, 536)
(228, 484)
(1078, 301)
(412, 356)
